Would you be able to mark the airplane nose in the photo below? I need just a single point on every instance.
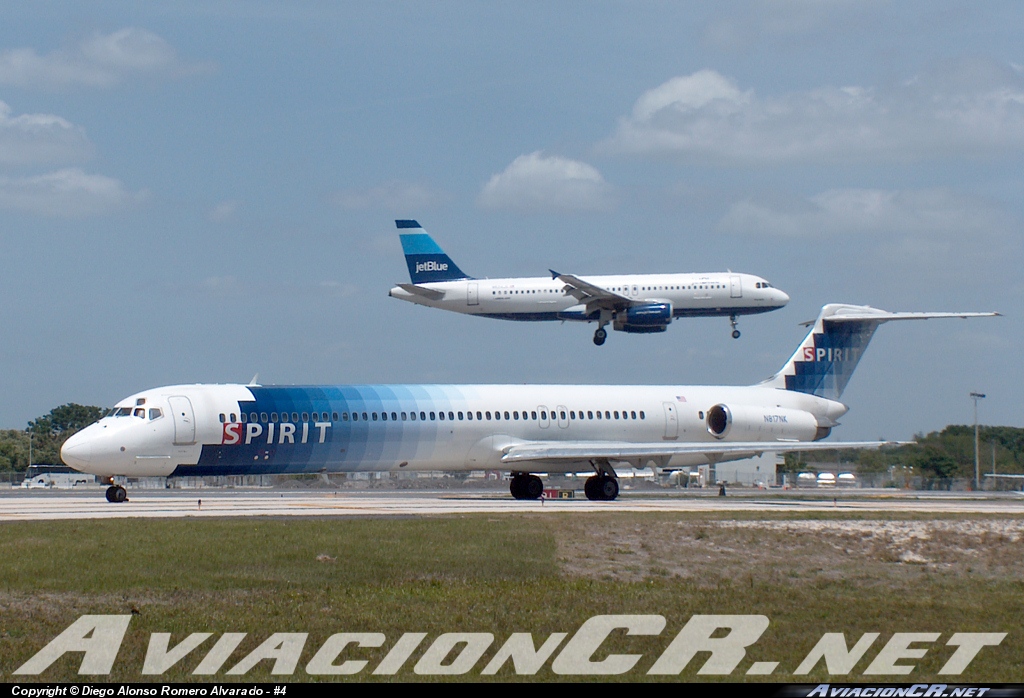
(783, 297)
(76, 452)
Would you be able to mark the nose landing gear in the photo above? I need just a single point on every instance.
(735, 332)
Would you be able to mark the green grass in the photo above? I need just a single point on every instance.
(485, 574)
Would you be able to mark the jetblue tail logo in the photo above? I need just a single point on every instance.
(424, 257)
(825, 361)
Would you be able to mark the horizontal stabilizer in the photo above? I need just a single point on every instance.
(824, 362)
(428, 293)
(590, 450)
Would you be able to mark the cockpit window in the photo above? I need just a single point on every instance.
(123, 412)
(155, 413)
(140, 412)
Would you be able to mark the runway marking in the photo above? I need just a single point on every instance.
(33, 506)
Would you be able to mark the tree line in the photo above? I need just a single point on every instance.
(940, 455)
(44, 436)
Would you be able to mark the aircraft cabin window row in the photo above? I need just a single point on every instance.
(480, 415)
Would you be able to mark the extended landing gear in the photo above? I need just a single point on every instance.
(526, 486)
(117, 494)
(735, 332)
(601, 488)
(600, 335)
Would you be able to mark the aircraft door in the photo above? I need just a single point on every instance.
(472, 293)
(735, 287)
(671, 421)
(563, 417)
(184, 421)
(542, 417)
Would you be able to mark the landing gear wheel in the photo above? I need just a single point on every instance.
(735, 332)
(601, 488)
(600, 335)
(524, 486)
(116, 494)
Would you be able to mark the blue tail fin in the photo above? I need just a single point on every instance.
(427, 261)
(824, 362)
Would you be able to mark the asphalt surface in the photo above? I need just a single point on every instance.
(29, 505)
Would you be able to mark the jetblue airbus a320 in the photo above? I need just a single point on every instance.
(196, 430)
(636, 303)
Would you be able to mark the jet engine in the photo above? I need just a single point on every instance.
(746, 423)
(644, 319)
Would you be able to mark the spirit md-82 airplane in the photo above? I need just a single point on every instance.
(637, 303)
(196, 430)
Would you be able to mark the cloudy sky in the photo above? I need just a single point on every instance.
(197, 192)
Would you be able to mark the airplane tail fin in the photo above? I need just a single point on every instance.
(825, 360)
(425, 258)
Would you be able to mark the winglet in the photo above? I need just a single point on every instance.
(554, 274)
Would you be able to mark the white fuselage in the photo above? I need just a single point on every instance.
(236, 429)
(543, 298)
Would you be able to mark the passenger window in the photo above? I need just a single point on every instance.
(233, 417)
(344, 416)
(404, 416)
(469, 416)
(533, 414)
(632, 414)
(374, 415)
(451, 416)
(423, 416)
(460, 416)
(273, 416)
(642, 414)
(432, 417)
(394, 417)
(365, 417)
(607, 414)
(440, 416)
(221, 415)
(384, 416)
(506, 415)
(590, 414)
(335, 416)
(561, 415)
(488, 416)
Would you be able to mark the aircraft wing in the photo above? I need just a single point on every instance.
(624, 451)
(594, 297)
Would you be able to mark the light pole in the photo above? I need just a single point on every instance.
(977, 473)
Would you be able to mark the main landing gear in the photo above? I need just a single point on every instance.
(526, 486)
(735, 332)
(600, 335)
(602, 487)
(117, 494)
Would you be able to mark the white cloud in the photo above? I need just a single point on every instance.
(964, 108)
(537, 183)
(40, 139)
(937, 215)
(101, 60)
(394, 196)
(224, 211)
(68, 193)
